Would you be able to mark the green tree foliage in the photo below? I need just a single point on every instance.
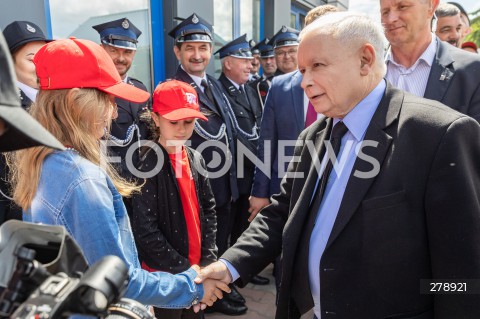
(474, 35)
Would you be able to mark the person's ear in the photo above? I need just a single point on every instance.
(367, 59)
(155, 119)
(176, 50)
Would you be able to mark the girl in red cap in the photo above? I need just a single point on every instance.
(77, 188)
(174, 220)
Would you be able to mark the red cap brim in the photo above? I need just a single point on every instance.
(184, 113)
(127, 92)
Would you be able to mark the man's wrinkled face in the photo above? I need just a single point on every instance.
(269, 65)
(286, 58)
(450, 29)
(194, 57)
(406, 21)
(122, 58)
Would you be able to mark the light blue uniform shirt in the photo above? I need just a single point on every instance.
(357, 121)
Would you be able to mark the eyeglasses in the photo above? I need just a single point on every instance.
(290, 52)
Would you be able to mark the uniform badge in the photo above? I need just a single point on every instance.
(251, 43)
(284, 29)
(191, 98)
(195, 19)
(125, 24)
(30, 28)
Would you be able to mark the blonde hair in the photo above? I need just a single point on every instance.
(319, 11)
(72, 116)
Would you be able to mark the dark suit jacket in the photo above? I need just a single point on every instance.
(128, 114)
(419, 217)
(454, 79)
(248, 115)
(224, 187)
(282, 120)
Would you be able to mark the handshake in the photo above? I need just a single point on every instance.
(215, 278)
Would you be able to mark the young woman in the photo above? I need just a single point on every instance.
(174, 221)
(77, 188)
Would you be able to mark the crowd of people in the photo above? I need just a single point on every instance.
(351, 166)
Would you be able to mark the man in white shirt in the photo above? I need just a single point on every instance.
(421, 64)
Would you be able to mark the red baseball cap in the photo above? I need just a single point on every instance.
(176, 100)
(77, 63)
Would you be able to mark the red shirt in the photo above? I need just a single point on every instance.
(188, 196)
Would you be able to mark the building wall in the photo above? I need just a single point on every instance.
(14, 10)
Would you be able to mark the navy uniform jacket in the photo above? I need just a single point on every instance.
(224, 187)
(248, 116)
(261, 87)
(128, 114)
(26, 102)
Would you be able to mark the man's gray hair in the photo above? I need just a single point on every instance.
(446, 10)
(351, 29)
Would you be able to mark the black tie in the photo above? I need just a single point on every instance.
(208, 92)
(244, 94)
(338, 132)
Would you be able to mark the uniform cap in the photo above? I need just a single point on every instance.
(176, 100)
(192, 29)
(121, 33)
(88, 65)
(253, 47)
(23, 131)
(19, 33)
(238, 48)
(286, 36)
(265, 48)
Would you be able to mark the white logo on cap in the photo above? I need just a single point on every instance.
(284, 29)
(30, 28)
(191, 98)
(125, 24)
(195, 19)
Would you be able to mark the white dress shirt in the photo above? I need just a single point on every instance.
(415, 78)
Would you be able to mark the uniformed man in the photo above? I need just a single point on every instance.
(269, 66)
(24, 39)
(285, 44)
(254, 75)
(119, 38)
(215, 138)
(246, 110)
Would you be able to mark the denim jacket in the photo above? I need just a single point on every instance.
(77, 194)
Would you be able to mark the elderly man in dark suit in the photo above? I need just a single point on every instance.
(397, 211)
(418, 62)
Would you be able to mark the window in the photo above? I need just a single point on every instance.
(76, 18)
(233, 18)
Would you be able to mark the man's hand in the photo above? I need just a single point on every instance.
(212, 288)
(217, 270)
(256, 204)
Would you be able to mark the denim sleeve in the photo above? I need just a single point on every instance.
(96, 217)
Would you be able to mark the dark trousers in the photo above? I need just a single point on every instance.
(240, 216)
(223, 226)
(162, 313)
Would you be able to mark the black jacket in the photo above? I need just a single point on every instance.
(225, 186)
(158, 221)
(247, 119)
(128, 114)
